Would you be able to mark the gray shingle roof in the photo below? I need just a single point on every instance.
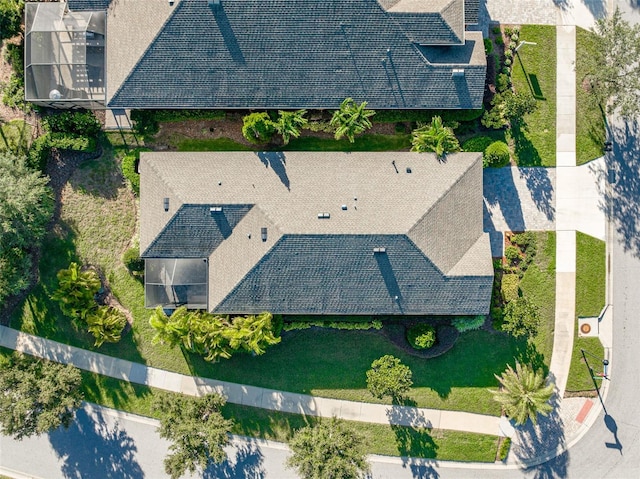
(471, 11)
(340, 274)
(195, 231)
(297, 54)
(88, 5)
(429, 220)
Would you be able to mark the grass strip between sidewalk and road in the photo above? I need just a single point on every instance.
(261, 423)
(590, 299)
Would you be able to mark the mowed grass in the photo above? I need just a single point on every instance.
(590, 121)
(277, 426)
(590, 299)
(534, 71)
(539, 285)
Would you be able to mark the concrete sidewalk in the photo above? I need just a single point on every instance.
(247, 395)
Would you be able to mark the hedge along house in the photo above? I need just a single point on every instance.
(256, 54)
(315, 233)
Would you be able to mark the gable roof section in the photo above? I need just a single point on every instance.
(294, 54)
(426, 214)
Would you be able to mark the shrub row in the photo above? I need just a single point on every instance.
(147, 122)
(41, 147)
(81, 123)
(130, 168)
(421, 336)
(425, 116)
(363, 325)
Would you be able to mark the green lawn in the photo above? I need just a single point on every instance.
(590, 122)
(590, 299)
(534, 70)
(260, 423)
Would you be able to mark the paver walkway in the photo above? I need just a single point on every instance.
(247, 395)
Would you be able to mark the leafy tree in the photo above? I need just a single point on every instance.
(26, 206)
(76, 291)
(521, 318)
(258, 128)
(351, 119)
(106, 324)
(524, 394)
(389, 377)
(252, 333)
(10, 18)
(37, 396)
(613, 69)
(196, 429)
(290, 123)
(434, 137)
(496, 155)
(518, 104)
(328, 450)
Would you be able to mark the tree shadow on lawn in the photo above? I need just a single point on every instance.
(315, 360)
(98, 176)
(112, 392)
(91, 447)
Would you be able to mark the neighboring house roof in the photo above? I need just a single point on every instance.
(88, 5)
(427, 216)
(294, 54)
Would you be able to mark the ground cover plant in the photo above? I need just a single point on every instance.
(590, 299)
(590, 120)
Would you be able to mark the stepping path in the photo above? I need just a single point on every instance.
(247, 395)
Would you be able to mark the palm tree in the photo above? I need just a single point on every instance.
(351, 119)
(252, 333)
(106, 325)
(289, 124)
(434, 137)
(76, 290)
(210, 338)
(172, 329)
(523, 394)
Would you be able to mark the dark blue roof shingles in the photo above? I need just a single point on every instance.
(340, 274)
(289, 54)
(195, 231)
(88, 5)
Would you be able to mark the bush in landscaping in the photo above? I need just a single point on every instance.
(421, 336)
(258, 128)
(502, 82)
(488, 46)
(13, 93)
(70, 141)
(512, 254)
(132, 260)
(80, 122)
(517, 105)
(467, 323)
(510, 287)
(145, 122)
(477, 143)
(129, 168)
(10, 18)
(496, 155)
(521, 318)
(526, 241)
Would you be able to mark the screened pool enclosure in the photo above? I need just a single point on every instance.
(171, 283)
(64, 56)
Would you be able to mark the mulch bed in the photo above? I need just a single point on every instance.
(395, 331)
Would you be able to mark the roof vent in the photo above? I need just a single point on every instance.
(324, 215)
(213, 3)
(344, 207)
(263, 234)
(408, 169)
(379, 250)
(215, 209)
(457, 72)
(165, 202)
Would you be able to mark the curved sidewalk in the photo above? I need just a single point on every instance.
(247, 395)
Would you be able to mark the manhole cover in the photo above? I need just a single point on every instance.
(585, 328)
